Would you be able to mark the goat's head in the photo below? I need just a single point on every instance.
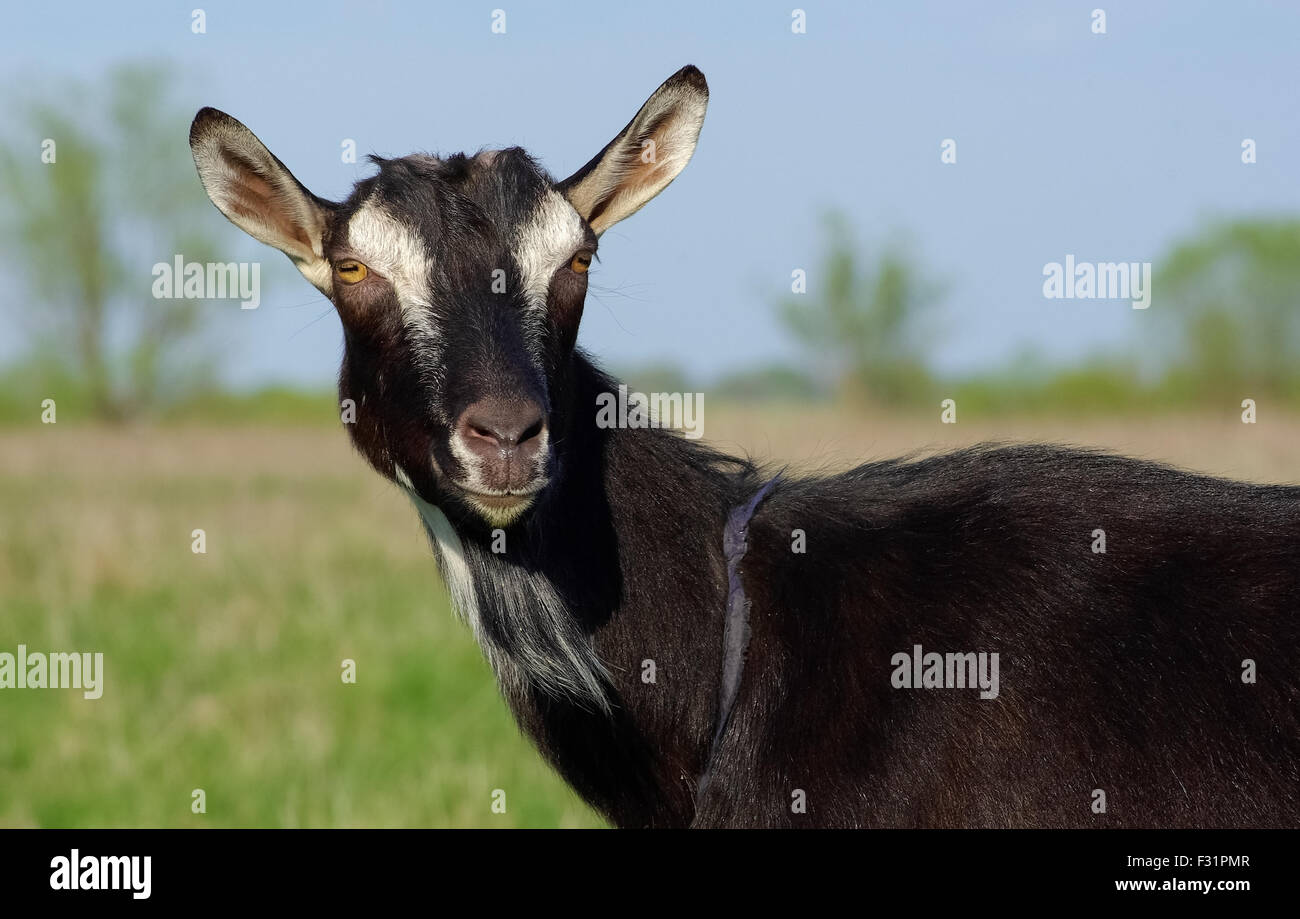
(460, 282)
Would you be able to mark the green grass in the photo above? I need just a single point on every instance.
(223, 671)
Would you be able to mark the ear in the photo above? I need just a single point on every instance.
(647, 155)
(261, 197)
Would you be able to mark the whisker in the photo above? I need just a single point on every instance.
(310, 324)
(612, 314)
(298, 306)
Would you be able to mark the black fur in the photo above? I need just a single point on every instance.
(1119, 671)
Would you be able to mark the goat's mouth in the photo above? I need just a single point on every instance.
(500, 508)
(503, 501)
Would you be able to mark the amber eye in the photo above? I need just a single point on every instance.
(351, 271)
(581, 262)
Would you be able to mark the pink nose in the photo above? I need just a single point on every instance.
(506, 436)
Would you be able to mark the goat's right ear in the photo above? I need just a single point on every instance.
(259, 195)
(645, 156)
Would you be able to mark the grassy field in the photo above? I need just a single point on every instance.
(223, 669)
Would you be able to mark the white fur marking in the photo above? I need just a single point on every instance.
(451, 559)
(544, 242)
(580, 675)
(396, 251)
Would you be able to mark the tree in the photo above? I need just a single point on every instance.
(1232, 296)
(85, 229)
(864, 325)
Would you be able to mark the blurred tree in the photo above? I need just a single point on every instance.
(1232, 297)
(85, 230)
(656, 376)
(863, 325)
(772, 382)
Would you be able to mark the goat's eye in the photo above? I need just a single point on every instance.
(581, 262)
(351, 271)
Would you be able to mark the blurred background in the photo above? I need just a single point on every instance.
(862, 235)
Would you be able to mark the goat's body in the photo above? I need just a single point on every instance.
(1120, 671)
(1162, 672)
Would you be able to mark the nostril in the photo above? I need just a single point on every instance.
(533, 430)
(502, 425)
(485, 435)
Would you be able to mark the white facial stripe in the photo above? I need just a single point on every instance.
(388, 246)
(544, 242)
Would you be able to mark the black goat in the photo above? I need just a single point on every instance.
(693, 642)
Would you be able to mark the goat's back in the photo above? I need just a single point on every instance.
(1161, 672)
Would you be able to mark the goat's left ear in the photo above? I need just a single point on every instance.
(645, 156)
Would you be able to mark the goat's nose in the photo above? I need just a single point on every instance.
(507, 435)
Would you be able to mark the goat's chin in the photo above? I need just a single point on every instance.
(495, 509)
(503, 514)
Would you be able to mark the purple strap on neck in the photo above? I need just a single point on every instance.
(735, 629)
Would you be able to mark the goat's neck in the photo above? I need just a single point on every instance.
(620, 563)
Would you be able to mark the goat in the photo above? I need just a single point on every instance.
(650, 624)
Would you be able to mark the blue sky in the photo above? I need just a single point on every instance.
(1108, 147)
